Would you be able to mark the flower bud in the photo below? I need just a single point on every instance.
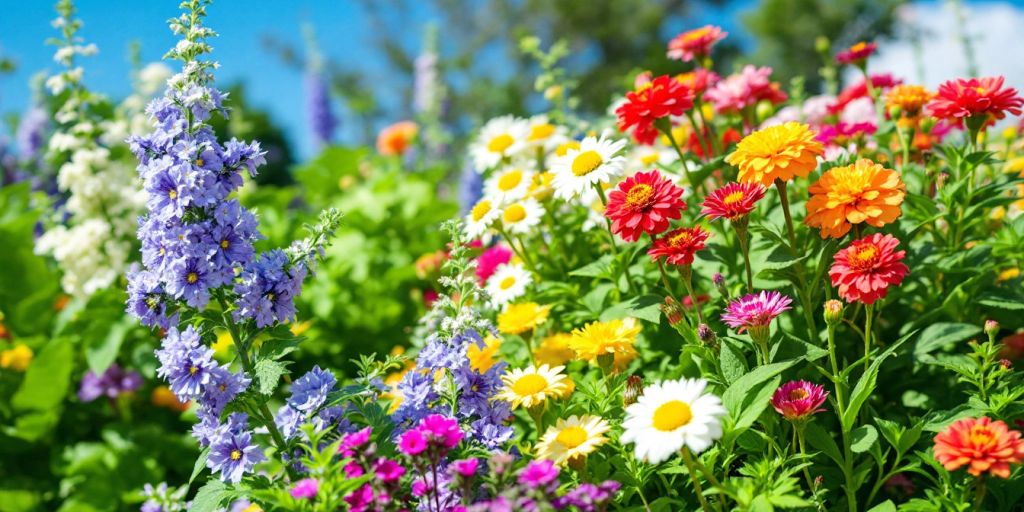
(1006, 364)
(673, 311)
(634, 388)
(720, 285)
(991, 329)
(764, 110)
(822, 44)
(895, 111)
(833, 312)
(706, 335)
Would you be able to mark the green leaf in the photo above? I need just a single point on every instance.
(885, 506)
(200, 464)
(863, 438)
(938, 335)
(601, 267)
(47, 379)
(731, 359)
(866, 385)
(211, 496)
(644, 307)
(735, 395)
(268, 372)
(100, 356)
(823, 441)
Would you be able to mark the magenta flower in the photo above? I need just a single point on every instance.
(388, 470)
(489, 260)
(756, 310)
(360, 498)
(538, 473)
(465, 467)
(353, 441)
(797, 400)
(412, 442)
(353, 469)
(305, 489)
(442, 430)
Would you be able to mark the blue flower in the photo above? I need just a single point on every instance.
(310, 391)
(185, 362)
(232, 452)
(189, 280)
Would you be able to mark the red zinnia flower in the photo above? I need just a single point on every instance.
(865, 270)
(858, 90)
(986, 445)
(661, 97)
(732, 201)
(961, 98)
(796, 400)
(696, 43)
(698, 80)
(679, 245)
(857, 53)
(643, 203)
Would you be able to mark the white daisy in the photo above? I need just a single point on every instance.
(502, 137)
(670, 415)
(521, 216)
(508, 283)
(544, 134)
(481, 218)
(597, 160)
(509, 184)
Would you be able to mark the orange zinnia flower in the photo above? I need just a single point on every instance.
(780, 152)
(909, 98)
(396, 139)
(862, 192)
(986, 445)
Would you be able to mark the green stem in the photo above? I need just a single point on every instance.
(611, 237)
(799, 428)
(802, 289)
(693, 477)
(687, 272)
(682, 157)
(741, 234)
(835, 367)
(869, 311)
(979, 493)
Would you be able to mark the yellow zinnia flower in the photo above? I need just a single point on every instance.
(864, 192)
(909, 98)
(779, 152)
(482, 358)
(519, 318)
(532, 386)
(554, 350)
(17, 358)
(571, 440)
(612, 338)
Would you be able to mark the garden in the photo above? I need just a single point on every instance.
(684, 284)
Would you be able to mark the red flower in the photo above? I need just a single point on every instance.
(696, 43)
(986, 445)
(798, 399)
(662, 97)
(857, 53)
(865, 270)
(679, 245)
(643, 203)
(698, 80)
(860, 90)
(732, 201)
(729, 137)
(961, 98)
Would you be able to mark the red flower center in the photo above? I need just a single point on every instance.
(640, 196)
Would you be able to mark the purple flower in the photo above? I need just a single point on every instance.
(232, 453)
(187, 365)
(305, 489)
(318, 107)
(146, 300)
(310, 391)
(112, 383)
(538, 473)
(31, 131)
(755, 310)
(190, 280)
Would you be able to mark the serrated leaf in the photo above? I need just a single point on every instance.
(211, 496)
(268, 373)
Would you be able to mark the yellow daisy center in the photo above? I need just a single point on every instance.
(541, 131)
(572, 437)
(639, 196)
(733, 198)
(500, 143)
(672, 415)
(515, 213)
(507, 283)
(530, 384)
(236, 454)
(173, 194)
(510, 180)
(586, 162)
(192, 277)
(480, 210)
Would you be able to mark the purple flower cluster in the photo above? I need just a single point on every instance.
(112, 383)
(536, 488)
(475, 406)
(318, 108)
(306, 403)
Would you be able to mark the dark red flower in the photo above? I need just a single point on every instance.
(963, 98)
(857, 53)
(732, 201)
(644, 203)
(679, 245)
(661, 97)
(864, 271)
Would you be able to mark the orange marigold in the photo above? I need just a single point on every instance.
(780, 152)
(986, 445)
(397, 138)
(909, 98)
(862, 192)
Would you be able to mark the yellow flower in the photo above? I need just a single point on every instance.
(607, 339)
(909, 98)
(162, 396)
(222, 347)
(17, 358)
(554, 350)
(571, 440)
(519, 318)
(482, 358)
(1008, 274)
(540, 185)
(393, 379)
(532, 386)
(570, 386)
(864, 192)
(298, 328)
(253, 508)
(779, 152)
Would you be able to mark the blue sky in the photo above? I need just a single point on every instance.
(113, 24)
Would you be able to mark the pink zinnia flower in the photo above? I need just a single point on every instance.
(489, 260)
(733, 201)
(305, 489)
(442, 430)
(963, 98)
(412, 442)
(864, 271)
(798, 399)
(643, 203)
(696, 43)
(842, 132)
(857, 53)
(465, 467)
(746, 89)
(538, 473)
(388, 470)
(756, 310)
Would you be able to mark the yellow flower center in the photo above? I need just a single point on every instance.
(586, 162)
(859, 46)
(199, 162)
(192, 277)
(680, 238)
(672, 415)
(500, 143)
(733, 198)
(798, 394)
(564, 148)
(572, 437)
(530, 384)
(980, 435)
(507, 283)
(696, 34)
(639, 196)
(515, 213)
(510, 180)
(236, 454)
(193, 370)
(224, 244)
(649, 159)
(541, 131)
(173, 194)
(480, 210)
